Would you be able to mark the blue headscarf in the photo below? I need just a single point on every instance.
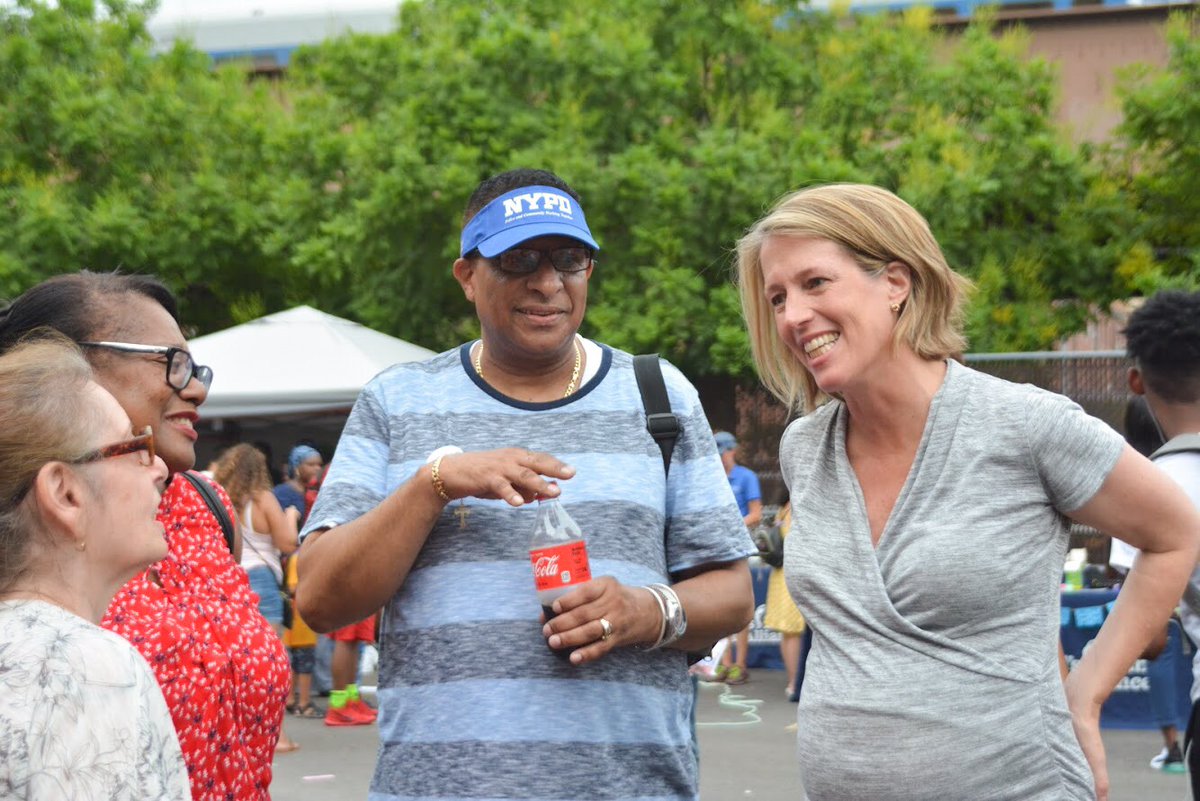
(298, 455)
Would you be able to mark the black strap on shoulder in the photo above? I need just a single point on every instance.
(661, 422)
(214, 505)
(1184, 443)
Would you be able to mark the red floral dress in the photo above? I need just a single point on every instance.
(222, 669)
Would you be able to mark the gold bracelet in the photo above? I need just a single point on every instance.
(438, 485)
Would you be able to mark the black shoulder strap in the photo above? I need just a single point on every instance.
(661, 422)
(214, 505)
(1184, 443)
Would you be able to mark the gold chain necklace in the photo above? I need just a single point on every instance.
(574, 371)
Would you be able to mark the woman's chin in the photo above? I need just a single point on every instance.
(179, 458)
(151, 557)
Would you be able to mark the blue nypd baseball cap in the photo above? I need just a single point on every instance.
(524, 214)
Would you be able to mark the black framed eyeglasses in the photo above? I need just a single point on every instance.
(181, 367)
(141, 444)
(525, 261)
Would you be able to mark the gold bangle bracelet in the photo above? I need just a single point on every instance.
(438, 485)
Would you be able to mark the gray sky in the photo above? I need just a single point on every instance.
(171, 10)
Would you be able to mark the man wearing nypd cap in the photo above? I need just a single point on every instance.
(435, 480)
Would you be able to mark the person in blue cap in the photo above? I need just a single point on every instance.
(435, 477)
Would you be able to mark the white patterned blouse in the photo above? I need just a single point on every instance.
(82, 717)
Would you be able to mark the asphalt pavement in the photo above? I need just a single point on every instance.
(747, 744)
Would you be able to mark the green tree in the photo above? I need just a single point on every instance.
(679, 123)
(1157, 162)
(112, 157)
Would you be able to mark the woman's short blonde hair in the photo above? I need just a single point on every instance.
(876, 228)
(48, 416)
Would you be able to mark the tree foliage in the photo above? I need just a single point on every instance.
(113, 157)
(1158, 162)
(679, 123)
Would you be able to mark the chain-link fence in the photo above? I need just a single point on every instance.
(1096, 380)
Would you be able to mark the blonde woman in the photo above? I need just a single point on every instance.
(82, 715)
(930, 507)
(267, 531)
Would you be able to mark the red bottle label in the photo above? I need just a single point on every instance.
(560, 566)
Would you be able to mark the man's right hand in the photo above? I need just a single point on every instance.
(513, 475)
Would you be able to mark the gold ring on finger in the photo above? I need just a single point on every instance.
(606, 629)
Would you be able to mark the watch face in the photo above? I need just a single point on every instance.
(677, 617)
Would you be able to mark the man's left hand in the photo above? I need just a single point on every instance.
(632, 615)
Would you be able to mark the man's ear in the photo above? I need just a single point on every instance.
(464, 273)
(1136, 385)
(899, 279)
(60, 495)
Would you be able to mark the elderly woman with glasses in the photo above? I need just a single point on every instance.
(223, 671)
(82, 715)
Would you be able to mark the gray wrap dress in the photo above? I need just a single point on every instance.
(934, 672)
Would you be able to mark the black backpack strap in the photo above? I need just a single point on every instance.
(1184, 443)
(214, 505)
(661, 422)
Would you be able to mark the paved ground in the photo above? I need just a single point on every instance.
(746, 752)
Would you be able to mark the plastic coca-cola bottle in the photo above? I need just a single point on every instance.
(558, 552)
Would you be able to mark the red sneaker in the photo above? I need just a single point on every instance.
(345, 716)
(362, 709)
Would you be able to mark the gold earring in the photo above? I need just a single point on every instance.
(895, 308)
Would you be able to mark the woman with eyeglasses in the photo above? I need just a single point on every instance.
(82, 716)
(193, 615)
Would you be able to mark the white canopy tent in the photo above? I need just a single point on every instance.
(299, 361)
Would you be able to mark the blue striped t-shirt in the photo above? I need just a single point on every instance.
(473, 705)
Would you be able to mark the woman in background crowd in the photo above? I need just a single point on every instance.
(221, 668)
(81, 716)
(267, 531)
(304, 468)
(304, 472)
(929, 507)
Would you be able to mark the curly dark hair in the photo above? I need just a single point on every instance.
(1163, 338)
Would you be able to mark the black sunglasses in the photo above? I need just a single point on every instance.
(525, 261)
(181, 367)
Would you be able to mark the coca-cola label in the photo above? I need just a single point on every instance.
(560, 566)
